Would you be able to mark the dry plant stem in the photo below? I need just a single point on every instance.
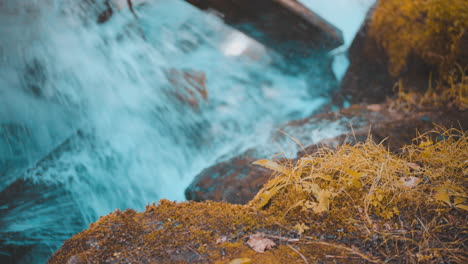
(280, 238)
(194, 251)
(342, 257)
(297, 251)
(353, 251)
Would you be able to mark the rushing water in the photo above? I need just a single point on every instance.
(93, 117)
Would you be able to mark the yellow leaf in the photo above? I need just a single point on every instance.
(272, 166)
(354, 174)
(442, 195)
(323, 202)
(413, 166)
(426, 143)
(241, 261)
(301, 228)
(354, 179)
(458, 202)
(379, 197)
(266, 196)
(462, 206)
(312, 188)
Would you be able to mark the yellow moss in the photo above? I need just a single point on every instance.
(429, 29)
(355, 204)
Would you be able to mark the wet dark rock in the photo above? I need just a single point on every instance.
(237, 176)
(189, 86)
(106, 14)
(30, 200)
(35, 78)
(368, 79)
(272, 21)
(17, 150)
(237, 180)
(19, 203)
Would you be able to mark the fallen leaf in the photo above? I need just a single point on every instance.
(462, 206)
(272, 166)
(374, 107)
(409, 182)
(221, 239)
(301, 228)
(414, 166)
(442, 195)
(241, 261)
(425, 143)
(323, 199)
(266, 196)
(259, 243)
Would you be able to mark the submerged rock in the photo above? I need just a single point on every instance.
(189, 86)
(24, 205)
(30, 226)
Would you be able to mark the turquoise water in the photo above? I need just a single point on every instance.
(92, 118)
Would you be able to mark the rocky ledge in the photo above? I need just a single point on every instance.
(357, 204)
(359, 200)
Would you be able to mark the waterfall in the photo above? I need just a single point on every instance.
(102, 116)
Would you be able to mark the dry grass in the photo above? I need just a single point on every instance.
(356, 204)
(450, 95)
(409, 207)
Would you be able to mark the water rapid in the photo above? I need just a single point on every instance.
(102, 116)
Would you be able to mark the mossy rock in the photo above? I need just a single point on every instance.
(237, 180)
(416, 42)
(356, 204)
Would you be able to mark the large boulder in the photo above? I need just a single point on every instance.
(413, 44)
(286, 26)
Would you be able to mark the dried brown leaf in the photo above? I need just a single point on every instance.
(259, 243)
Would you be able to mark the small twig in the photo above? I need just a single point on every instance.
(199, 256)
(343, 257)
(130, 6)
(85, 255)
(353, 251)
(280, 237)
(297, 251)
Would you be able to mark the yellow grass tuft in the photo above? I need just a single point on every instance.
(413, 203)
(452, 95)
